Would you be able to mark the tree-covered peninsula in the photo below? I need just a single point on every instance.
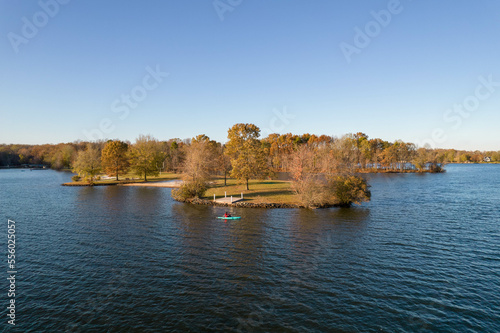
(315, 171)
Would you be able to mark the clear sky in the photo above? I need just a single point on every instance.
(421, 71)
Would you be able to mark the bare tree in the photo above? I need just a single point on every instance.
(307, 184)
(200, 160)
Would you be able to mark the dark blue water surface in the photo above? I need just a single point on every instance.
(423, 255)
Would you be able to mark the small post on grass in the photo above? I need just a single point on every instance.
(225, 194)
(242, 195)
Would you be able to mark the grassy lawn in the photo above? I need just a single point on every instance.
(261, 191)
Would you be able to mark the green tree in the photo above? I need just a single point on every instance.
(146, 156)
(88, 163)
(115, 158)
(247, 155)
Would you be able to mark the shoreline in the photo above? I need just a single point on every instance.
(246, 204)
(174, 183)
(278, 196)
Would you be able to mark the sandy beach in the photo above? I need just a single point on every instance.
(169, 183)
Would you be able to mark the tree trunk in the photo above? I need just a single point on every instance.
(225, 177)
(145, 176)
(247, 184)
(116, 175)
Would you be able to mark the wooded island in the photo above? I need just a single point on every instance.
(321, 170)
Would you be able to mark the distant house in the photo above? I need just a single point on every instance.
(487, 159)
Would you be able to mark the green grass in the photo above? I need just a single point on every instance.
(261, 191)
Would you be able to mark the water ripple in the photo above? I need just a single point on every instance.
(423, 256)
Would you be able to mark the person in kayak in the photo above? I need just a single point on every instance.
(226, 214)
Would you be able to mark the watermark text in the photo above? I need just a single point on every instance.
(31, 26)
(11, 271)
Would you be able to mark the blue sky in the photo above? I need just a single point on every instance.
(418, 73)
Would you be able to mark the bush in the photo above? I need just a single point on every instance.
(347, 190)
(76, 178)
(436, 168)
(192, 189)
(338, 190)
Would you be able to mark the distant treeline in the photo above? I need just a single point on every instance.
(366, 153)
(63, 155)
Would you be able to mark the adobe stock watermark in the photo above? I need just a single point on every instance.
(371, 30)
(11, 272)
(223, 6)
(122, 106)
(455, 115)
(278, 122)
(31, 26)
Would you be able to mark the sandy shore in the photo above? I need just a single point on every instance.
(167, 183)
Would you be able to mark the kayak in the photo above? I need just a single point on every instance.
(229, 218)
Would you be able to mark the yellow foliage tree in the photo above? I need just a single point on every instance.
(114, 158)
(246, 152)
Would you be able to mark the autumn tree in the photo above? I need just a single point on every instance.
(420, 159)
(340, 156)
(343, 186)
(199, 165)
(324, 175)
(115, 158)
(146, 156)
(175, 155)
(223, 162)
(246, 153)
(88, 163)
(200, 159)
(308, 184)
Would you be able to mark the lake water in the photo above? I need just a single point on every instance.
(423, 255)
